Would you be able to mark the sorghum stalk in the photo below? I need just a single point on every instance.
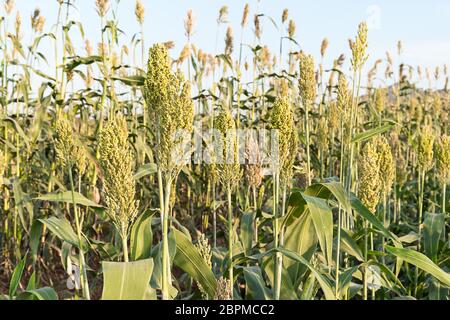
(83, 275)
(69, 153)
(169, 96)
(425, 162)
(229, 173)
(230, 237)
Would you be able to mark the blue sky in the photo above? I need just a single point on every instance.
(423, 26)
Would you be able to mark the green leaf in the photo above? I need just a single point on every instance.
(433, 228)
(35, 238)
(141, 237)
(145, 170)
(131, 80)
(256, 288)
(322, 217)
(287, 287)
(126, 280)
(421, 261)
(345, 278)
(16, 276)
(323, 281)
(366, 135)
(75, 62)
(350, 246)
(32, 282)
(66, 196)
(366, 214)
(325, 189)
(45, 293)
(301, 238)
(63, 230)
(247, 231)
(189, 259)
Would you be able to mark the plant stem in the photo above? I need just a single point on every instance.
(124, 247)
(277, 272)
(308, 158)
(338, 248)
(83, 275)
(230, 237)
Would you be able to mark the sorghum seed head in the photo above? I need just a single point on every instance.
(9, 5)
(139, 11)
(343, 94)
(189, 23)
(284, 15)
(323, 47)
(282, 120)
(369, 177)
(359, 47)
(204, 249)
(117, 163)
(334, 116)
(223, 291)
(425, 148)
(168, 97)
(253, 170)
(386, 163)
(223, 15)
(291, 29)
(169, 44)
(229, 41)
(228, 169)
(64, 141)
(245, 15)
(379, 100)
(102, 7)
(307, 81)
(257, 24)
(443, 159)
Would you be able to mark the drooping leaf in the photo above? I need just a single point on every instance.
(255, 286)
(145, 170)
(66, 197)
(189, 259)
(323, 281)
(349, 246)
(366, 135)
(45, 293)
(421, 261)
(131, 80)
(63, 230)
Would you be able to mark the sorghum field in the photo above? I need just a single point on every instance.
(247, 173)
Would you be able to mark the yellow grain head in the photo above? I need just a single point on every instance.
(307, 81)
(244, 19)
(139, 11)
(443, 159)
(117, 163)
(369, 177)
(425, 148)
(102, 7)
(359, 47)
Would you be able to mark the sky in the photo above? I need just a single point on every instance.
(422, 26)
